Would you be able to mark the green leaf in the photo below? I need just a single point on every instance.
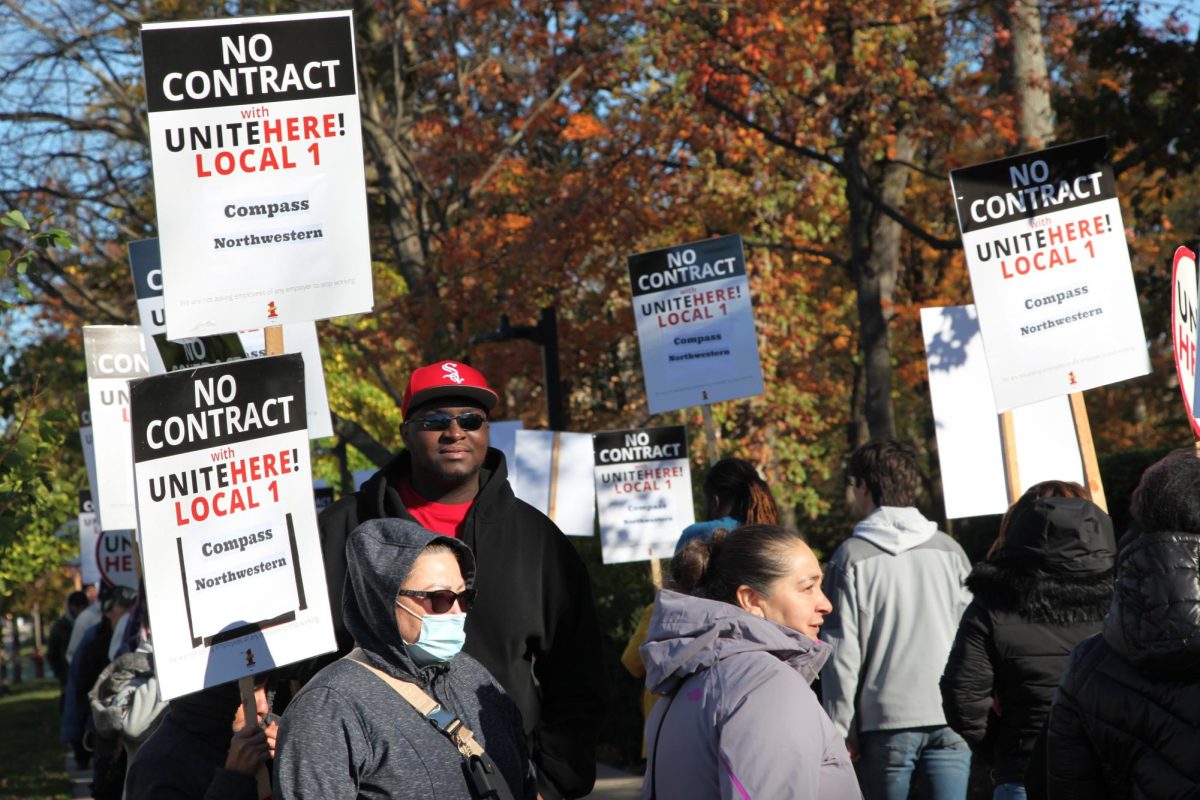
(23, 290)
(22, 266)
(5, 257)
(16, 219)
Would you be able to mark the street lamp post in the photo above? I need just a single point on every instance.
(545, 335)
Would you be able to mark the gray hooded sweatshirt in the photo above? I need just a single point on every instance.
(743, 721)
(897, 586)
(348, 734)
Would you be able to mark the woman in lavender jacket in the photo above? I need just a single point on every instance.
(734, 651)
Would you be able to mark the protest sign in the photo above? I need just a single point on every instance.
(301, 338)
(258, 171)
(89, 537)
(168, 356)
(115, 354)
(502, 435)
(1050, 271)
(87, 440)
(116, 558)
(643, 492)
(229, 535)
(553, 473)
(968, 435)
(1183, 329)
(322, 496)
(165, 355)
(695, 324)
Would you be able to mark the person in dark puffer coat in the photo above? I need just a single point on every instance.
(1045, 587)
(1126, 720)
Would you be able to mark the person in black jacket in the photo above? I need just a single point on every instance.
(1044, 588)
(1126, 720)
(535, 628)
(203, 749)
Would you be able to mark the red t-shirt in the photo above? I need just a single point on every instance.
(444, 518)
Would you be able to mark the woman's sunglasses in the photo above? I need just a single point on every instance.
(442, 600)
(470, 421)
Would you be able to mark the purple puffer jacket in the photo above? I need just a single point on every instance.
(744, 722)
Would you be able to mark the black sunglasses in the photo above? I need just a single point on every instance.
(442, 600)
(470, 421)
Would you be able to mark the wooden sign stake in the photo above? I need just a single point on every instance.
(554, 452)
(250, 713)
(1087, 451)
(1008, 449)
(713, 439)
(273, 336)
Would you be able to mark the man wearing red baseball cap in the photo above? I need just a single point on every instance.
(533, 623)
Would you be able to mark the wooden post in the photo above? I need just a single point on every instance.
(1087, 450)
(250, 714)
(554, 452)
(710, 434)
(656, 573)
(273, 336)
(1008, 450)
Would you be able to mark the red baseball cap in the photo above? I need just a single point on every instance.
(447, 379)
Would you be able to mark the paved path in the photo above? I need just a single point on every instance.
(81, 779)
(611, 784)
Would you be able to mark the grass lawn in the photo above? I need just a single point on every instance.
(31, 757)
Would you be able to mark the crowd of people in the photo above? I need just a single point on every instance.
(469, 660)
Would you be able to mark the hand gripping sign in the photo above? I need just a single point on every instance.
(229, 536)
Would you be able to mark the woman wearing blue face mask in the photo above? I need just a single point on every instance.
(351, 733)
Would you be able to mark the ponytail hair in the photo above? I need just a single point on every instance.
(752, 555)
(736, 482)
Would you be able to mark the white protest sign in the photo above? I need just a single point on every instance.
(89, 537)
(301, 338)
(116, 558)
(88, 441)
(229, 534)
(165, 355)
(643, 492)
(695, 324)
(1050, 271)
(967, 427)
(115, 354)
(1183, 328)
(168, 356)
(503, 436)
(258, 171)
(554, 475)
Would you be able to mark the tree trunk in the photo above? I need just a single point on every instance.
(1030, 79)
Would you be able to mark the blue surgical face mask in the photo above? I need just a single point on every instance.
(442, 637)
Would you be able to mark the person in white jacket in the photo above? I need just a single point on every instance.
(897, 589)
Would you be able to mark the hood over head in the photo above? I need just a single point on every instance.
(1060, 535)
(688, 634)
(379, 555)
(208, 713)
(894, 529)
(1154, 622)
